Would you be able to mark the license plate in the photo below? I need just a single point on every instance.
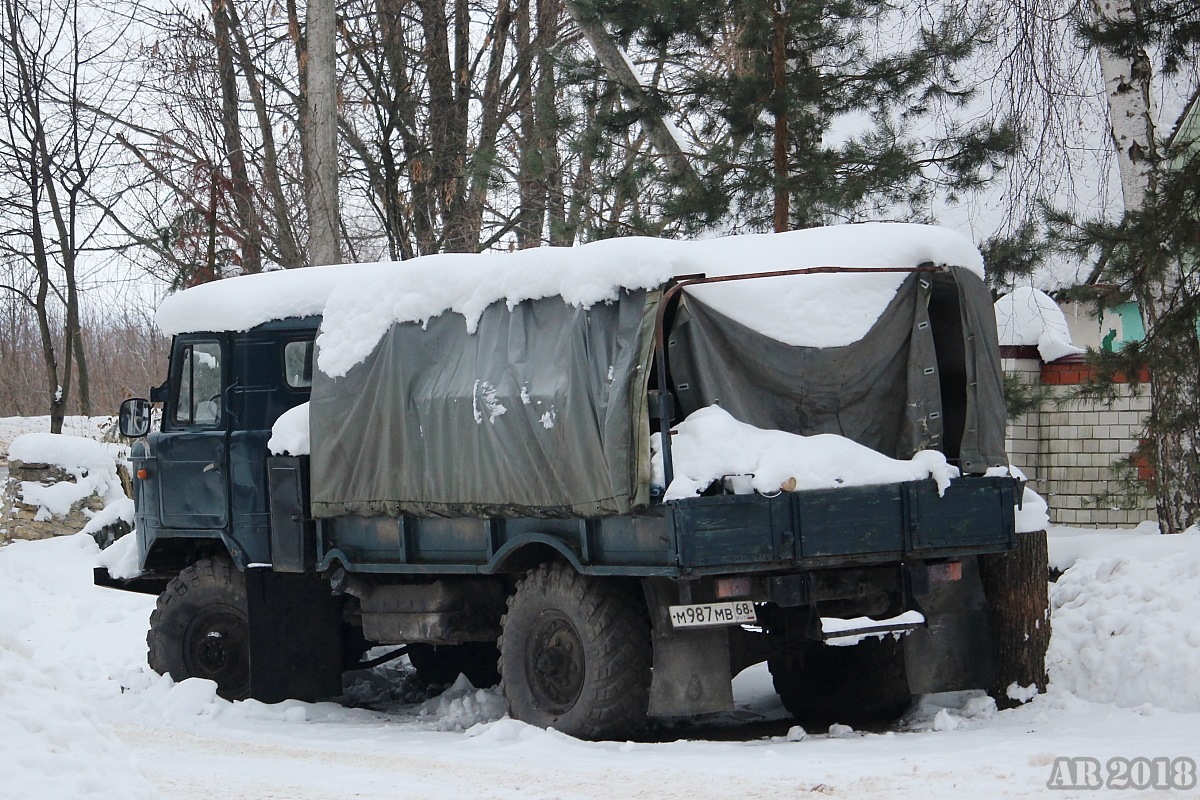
(703, 615)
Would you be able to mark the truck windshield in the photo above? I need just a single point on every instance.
(199, 399)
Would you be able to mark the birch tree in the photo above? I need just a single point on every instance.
(1152, 254)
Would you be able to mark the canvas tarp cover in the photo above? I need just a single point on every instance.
(540, 412)
(884, 391)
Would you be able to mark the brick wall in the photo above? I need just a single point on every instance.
(1068, 447)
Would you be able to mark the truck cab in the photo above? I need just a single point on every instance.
(202, 479)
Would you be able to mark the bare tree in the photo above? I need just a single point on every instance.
(51, 150)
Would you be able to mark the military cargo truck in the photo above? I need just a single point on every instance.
(483, 471)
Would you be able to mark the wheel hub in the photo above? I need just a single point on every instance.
(216, 647)
(556, 665)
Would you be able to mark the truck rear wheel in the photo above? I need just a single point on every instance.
(862, 684)
(575, 654)
(199, 628)
(443, 663)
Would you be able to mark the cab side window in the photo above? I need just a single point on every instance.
(297, 363)
(199, 399)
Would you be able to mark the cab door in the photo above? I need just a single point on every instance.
(193, 448)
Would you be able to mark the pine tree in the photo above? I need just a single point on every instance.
(1152, 254)
(810, 113)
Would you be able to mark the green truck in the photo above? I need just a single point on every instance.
(493, 499)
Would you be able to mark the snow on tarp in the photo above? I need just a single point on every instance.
(361, 302)
(1029, 317)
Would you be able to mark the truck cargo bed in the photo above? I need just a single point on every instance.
(702, 535)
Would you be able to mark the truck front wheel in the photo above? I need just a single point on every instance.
(199, 628)
(575, 654)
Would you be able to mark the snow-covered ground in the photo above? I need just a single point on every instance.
(81, 715)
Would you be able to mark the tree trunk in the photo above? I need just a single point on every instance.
(289, 251)
(81, 370)
(491, 119)
(530, 186)
(1127, 86)
(1016, 590)
(321, 159)
(780, 103)
(241, 188)
(1175, 434)
(548, 14)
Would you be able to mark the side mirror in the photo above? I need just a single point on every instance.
(134, 418)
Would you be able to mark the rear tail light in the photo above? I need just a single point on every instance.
(945, 573)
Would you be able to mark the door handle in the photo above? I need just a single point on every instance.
(210, 468)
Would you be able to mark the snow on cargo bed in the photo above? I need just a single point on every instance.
(360, 302)
(710, 445)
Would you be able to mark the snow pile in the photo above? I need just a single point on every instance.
(1033, 514)
(51, 743)
(1067, 545)
(1127, 626)
(115, 511)
(710, 444)
(360, 302)
(950, 711)
(121, 559)
(87, 427)
(509, 731)
(58, 645)
(1027, 316)
(92, 464)
(462, 706)
(289, 434)
(190, 698)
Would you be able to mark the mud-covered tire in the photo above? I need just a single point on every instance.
(199, 628)
(442, 663)
(575, 654)
(863, 684)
